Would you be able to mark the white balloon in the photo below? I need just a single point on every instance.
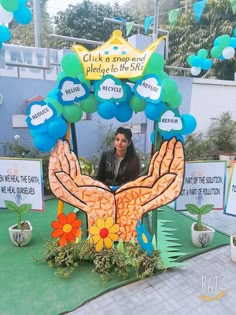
(5, 16)
(196, 70)
(228, 52)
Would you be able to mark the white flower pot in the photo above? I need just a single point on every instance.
(202, 238)
(232, 249)
(20, 237)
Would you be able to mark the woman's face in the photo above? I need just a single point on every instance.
(121, 143)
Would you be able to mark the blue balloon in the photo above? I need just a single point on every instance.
(207, 64)
(189, 124)
(128, 93)
(0, 45)
(5, 33)
(124, 112)
(23, 15)
(107, 110)
(57, 128)
(153, 111)
(235, 32)
(233, 42)
(39, 130)
(44, 143)
(53, 93)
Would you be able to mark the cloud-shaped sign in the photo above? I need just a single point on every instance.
(149, 88)
(169, 121)
(110, 88)
(71, 90)
(39, 113)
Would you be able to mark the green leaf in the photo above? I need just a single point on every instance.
(193, 209)
(10, 205)
(154, 243)
(24, 208)
(120, 246)
(206, 208)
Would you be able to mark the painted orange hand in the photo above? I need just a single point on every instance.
(160, 186)
(68, 184)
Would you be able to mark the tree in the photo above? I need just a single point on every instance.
(24, 34)
(222, 133)
(188, 36)
(86, 20)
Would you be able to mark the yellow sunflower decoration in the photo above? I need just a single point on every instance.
(104, 233)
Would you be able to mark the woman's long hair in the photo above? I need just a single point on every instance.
(132, 159)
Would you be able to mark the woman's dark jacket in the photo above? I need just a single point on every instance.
(125, 173)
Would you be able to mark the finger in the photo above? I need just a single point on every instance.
(177, 164)
(168, 157)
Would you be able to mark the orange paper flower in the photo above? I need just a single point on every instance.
(104, 233)
(67, 228)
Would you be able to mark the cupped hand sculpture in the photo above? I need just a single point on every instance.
(127, 205)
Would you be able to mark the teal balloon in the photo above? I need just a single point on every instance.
(216, 51)
(155, 64)
(71, 65)
(61, 75)
(10, 5)
(5, 33)
(176, 101)
(137, 104)
(189, 124)
(189, 59)
(224, 41)
(202, 53)
(89, 105)
(72, 113)
(163, 75)
(170, 89)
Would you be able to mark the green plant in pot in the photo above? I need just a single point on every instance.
(21, 232)
(202, 235)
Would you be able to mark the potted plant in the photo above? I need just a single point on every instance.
(202, 235)
(222, 134)
(21, 232)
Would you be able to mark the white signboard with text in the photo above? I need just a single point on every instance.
(230, 206)
(21, 182)
(204, 183)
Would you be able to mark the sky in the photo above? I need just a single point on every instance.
(60, 5)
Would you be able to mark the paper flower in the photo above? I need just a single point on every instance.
(104, 233)
(144, 238)
(67, 228)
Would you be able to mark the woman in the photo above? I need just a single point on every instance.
(121, 164)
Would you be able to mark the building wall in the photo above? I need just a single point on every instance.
(210, 98)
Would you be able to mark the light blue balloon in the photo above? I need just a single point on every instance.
(207, 64)
(5, 33)
(124, 112)
(44, 143)
(217, 41)
(36, 131)
(107, 110)
(233, 42)
(23, 15)
(57, 128)
(196, 61)
(189, 124)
